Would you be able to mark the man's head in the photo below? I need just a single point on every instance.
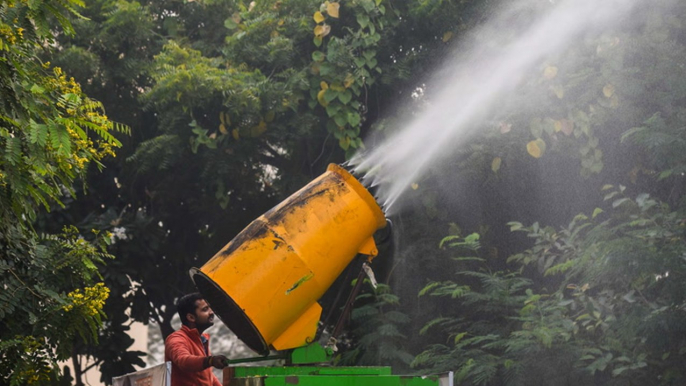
(195, 312)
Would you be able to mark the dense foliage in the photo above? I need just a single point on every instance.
(236, 104)
(599, 300)
(50, 132)
(233, 106)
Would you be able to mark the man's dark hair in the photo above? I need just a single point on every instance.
(186, 305)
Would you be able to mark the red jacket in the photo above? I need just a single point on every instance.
(186, 352)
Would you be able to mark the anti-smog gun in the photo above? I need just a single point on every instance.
(265, 283)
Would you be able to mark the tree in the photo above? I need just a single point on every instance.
(233, 109)
(596, 300)
(50, 132)
(242, 103)
(376, 333)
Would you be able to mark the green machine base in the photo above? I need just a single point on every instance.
(303, 371)
(326, 376)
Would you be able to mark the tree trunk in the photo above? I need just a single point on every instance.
(165, 324)
(78, 372)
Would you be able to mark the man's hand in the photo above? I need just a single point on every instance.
(219, 361)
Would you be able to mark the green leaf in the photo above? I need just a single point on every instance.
(318, 56)
(59, 139)
(340, 120)
(369, 54)
(345, 96)
(515, 226)
(610, 195)
(362, 20)
(330, 95)
(665, 174)
(432, 323)
(619, 202)
(230, 23)
(619, 370)
(472, 238)
(596, 212)
(13, 150)
(326, 69)
(354, 119)
(332, 109)
(36, 89)
(459, 337)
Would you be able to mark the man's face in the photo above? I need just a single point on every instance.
(204, 317)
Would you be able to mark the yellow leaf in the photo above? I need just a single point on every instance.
(608, 90)
(558, 126)
(349, 80)
(415, 186)
(550, 72)
(213, 136)
(323, 85)
(318, 17)
(332, 9)
(322, 30)
(221, 117)
(536, 148)
(447, 36)
(495, 165)
(337, 87)
(344, 142)
(320, 98)
(280, 23)
(259, 129)
(222, 129)
(235, 135)
(274, 34)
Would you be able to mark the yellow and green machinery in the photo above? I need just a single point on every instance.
(266, 282)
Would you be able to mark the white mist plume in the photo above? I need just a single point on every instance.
(480, 80)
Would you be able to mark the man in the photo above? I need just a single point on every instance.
(188, 348)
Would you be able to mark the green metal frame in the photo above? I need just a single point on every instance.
(310, 366)
(322, 376)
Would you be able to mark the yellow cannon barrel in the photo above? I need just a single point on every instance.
(265, 283)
